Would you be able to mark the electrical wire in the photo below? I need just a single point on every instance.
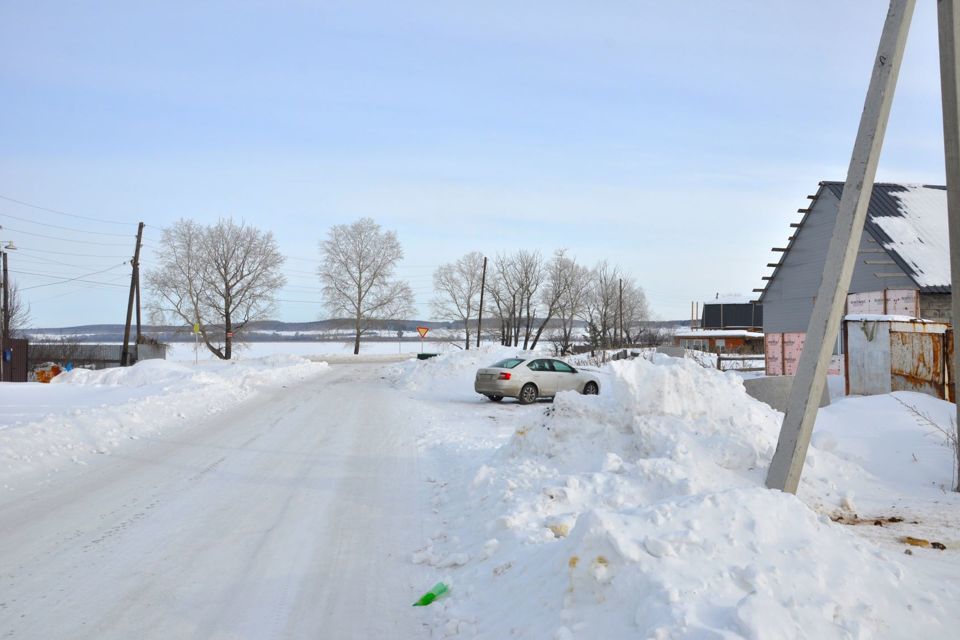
(57, 226)
(81, 289)
(300, 301)
(67, 253)
(61, 213)
(79, 278)
(38, 257)
(40, 235)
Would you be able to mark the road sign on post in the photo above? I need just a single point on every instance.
(423, 334)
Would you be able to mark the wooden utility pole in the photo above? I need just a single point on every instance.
(5, 330)
(621, 312)
(483, 287)
(948, 22)
(139, 326)
(134, 279)
(811, 376)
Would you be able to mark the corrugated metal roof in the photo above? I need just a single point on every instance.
(917, 242)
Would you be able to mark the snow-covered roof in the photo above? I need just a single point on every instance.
(881, 317)
(910, 222)
(686, 332)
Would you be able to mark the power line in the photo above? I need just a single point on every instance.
(57, 226)
(300, 301)
(79, 278)
(40, 235)
(62, 213)
(81, 289)
(47, 260)
(68, 253)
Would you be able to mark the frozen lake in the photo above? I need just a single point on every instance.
(184, 351)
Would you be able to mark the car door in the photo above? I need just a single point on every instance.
(566, 376)
(543, 376)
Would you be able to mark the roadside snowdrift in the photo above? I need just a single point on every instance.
(449, 375)
(84, 412)
(641, 513)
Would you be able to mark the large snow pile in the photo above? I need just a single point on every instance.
(641, 513)
(450, 374)
(85, 412)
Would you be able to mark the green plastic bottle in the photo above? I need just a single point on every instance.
(438, 590)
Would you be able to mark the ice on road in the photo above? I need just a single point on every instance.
(291, 515)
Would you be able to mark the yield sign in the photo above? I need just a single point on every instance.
(423, 331)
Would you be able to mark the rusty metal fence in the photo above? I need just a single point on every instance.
(885, 356)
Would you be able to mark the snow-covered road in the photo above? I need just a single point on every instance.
(291, 515)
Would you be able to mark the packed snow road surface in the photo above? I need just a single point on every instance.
(290, 515)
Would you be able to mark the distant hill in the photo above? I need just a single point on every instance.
(271, 331)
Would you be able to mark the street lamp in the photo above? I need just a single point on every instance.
(5, 329)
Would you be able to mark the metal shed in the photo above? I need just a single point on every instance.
(897, 353)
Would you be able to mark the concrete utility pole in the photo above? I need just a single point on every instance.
(134, 279)
(483, 287)
(948, 22)
(811, 377)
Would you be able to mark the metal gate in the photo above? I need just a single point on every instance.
(918, 363)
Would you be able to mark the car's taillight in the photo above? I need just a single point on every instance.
(504, 376)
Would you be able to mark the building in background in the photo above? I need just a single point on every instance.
(902, 268)
(728, 324)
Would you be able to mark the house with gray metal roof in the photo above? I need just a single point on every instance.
(904, 248)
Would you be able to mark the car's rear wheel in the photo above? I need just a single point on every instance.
(528, 394)
(591, 389)
(495, 398)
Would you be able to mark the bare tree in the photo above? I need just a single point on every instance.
(356, 272)
(558, 280)
(504, 296)
(19, 310)
(601, 308)
(219, 277)
(572, 303)
(530, 274)
(458, 290)
(513, 286)
(636, 312)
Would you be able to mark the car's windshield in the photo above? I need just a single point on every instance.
(508, 363)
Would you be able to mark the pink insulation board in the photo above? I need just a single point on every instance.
(773, 352)
(792, 348)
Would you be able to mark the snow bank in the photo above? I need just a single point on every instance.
(83, 412)
(451, 374)
(641, 513)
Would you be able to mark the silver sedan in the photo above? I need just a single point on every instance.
(527, 379)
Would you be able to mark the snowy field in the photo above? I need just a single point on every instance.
(315, 497)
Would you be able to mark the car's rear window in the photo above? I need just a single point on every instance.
(509, 363)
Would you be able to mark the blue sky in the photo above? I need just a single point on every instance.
(675, 139)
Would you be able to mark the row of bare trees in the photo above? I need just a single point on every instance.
(530, 297)
(221, 277)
